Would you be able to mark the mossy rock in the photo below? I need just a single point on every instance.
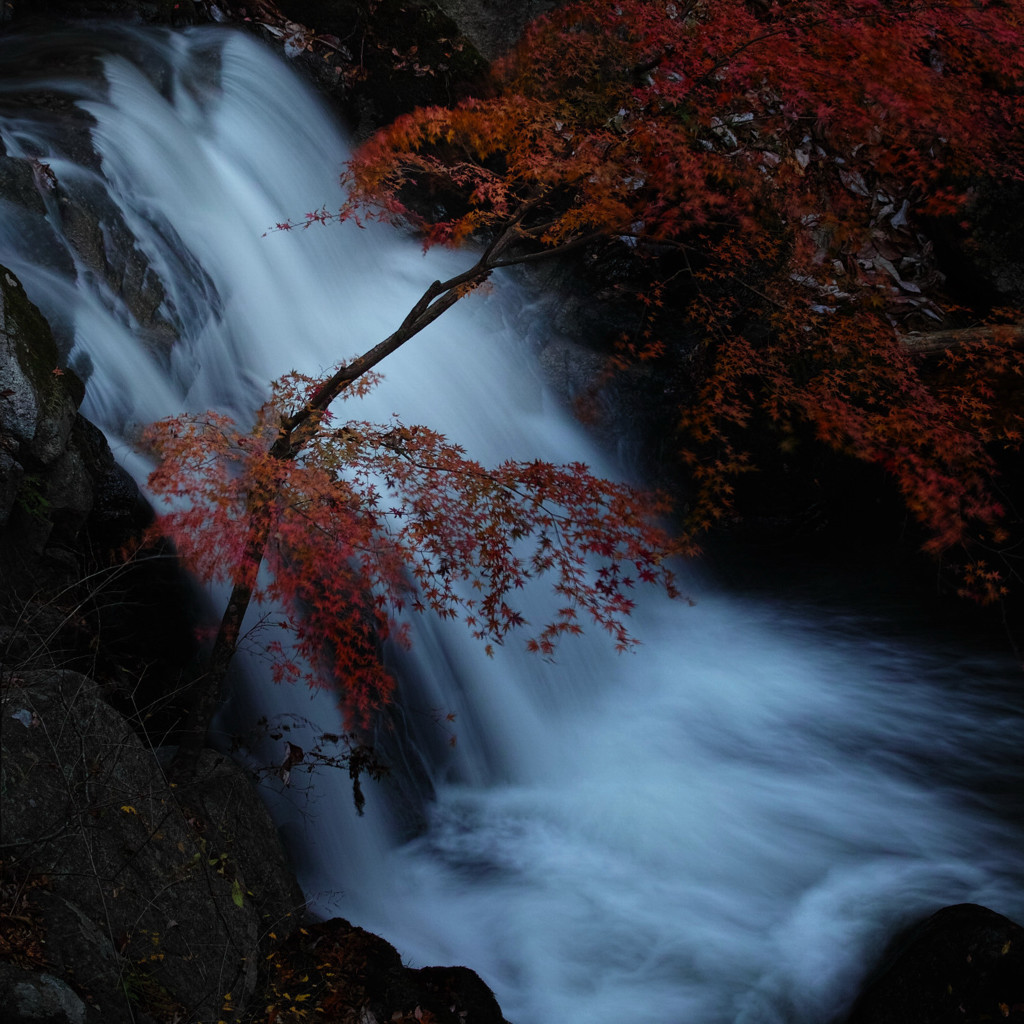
(40, 397)
(34, 345)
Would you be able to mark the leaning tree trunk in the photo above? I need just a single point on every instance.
(207, 690)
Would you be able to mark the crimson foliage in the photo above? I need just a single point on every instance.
(786, 160)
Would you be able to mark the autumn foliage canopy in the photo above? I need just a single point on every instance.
(782, 166)
(778, 166)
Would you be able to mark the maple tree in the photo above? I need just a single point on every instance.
(360, 522)
(779, 166)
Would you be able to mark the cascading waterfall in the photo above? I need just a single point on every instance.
(724, 826)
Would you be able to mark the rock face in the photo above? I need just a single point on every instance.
(353, 975)
(66, 508)
(124, 899)
(39, 404)
(45, 476)
(118, 894)
(495, 28)
(964, 965)
(142, 908)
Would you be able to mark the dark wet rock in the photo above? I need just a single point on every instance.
(144, 904)
(57, 464)
(457, 992)
(102, 243)
(67, 509)
(495, 28)
(964, 965)
(19, 183)
(46, 486)
(38, 400)
(347, 973)
(37, 997)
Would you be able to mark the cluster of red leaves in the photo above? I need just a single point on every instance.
(370, 521)
(865, 394)
(788, 157)
(662, 117)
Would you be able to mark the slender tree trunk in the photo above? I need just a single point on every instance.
(207, 691)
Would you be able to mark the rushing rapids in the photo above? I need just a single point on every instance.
(724, 826)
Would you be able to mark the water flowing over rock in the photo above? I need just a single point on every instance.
(725, 827)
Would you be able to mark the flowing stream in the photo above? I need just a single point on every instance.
(724, 826)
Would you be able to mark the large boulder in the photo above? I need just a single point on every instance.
(237, 823)
(496, 28)
(67, 509)
(964, 965)
(145, 910)
(348, 974)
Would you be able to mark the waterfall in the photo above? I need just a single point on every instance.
(724, 826)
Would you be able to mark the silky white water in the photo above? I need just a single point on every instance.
(723, 826)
